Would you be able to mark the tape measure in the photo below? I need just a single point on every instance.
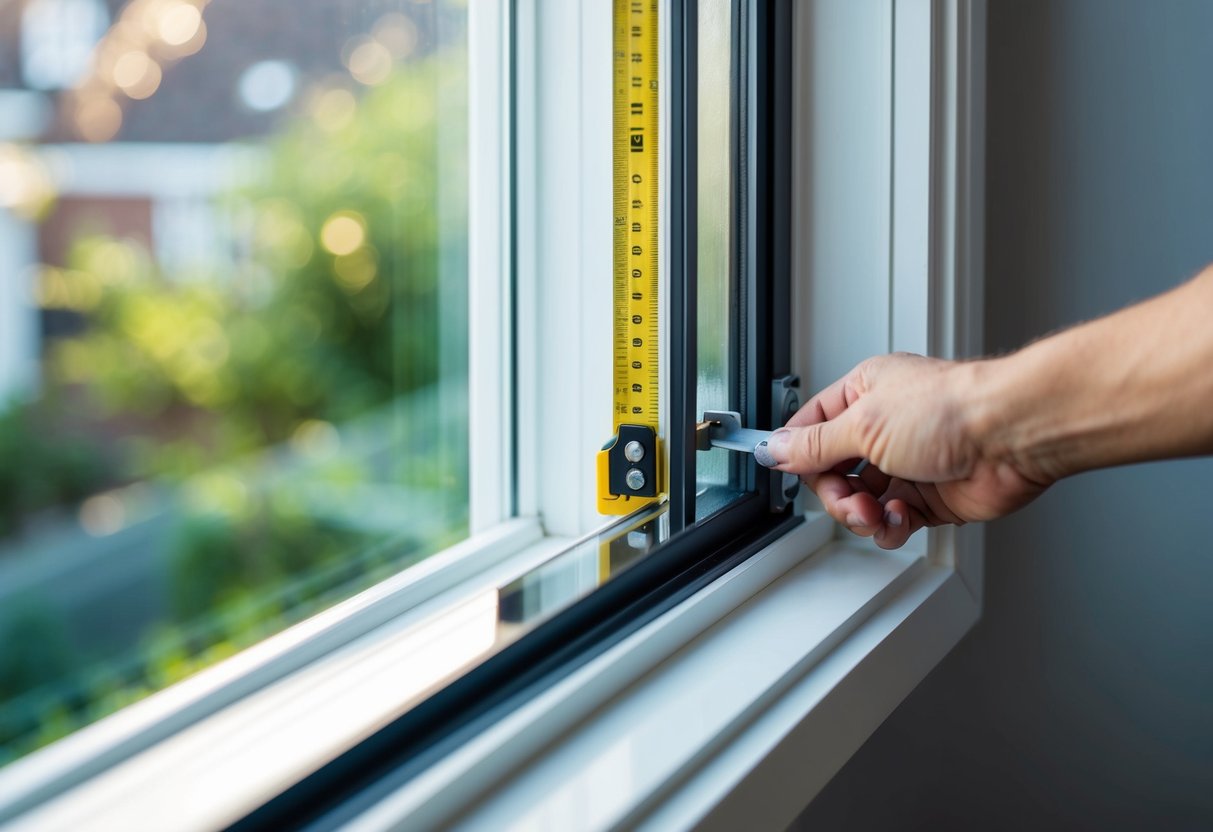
(630, 469)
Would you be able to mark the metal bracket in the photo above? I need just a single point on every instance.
(722, 429)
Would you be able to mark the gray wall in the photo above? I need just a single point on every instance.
(1084, 698)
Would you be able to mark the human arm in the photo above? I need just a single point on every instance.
(952, 442)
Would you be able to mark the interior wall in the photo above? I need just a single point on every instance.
(1084, 697)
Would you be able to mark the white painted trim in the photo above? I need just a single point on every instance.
(490, 355)
(527, 370)
(564, 248)
(957, 224)
(958, 211)
(768, 655)
(485, 766)
(912, 218)
(842, 210)
(772, 767)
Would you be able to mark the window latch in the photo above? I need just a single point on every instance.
(722, 429)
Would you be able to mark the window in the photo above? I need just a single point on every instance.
(494, 669)
(716, 303)
(249, 260)
(57, 39)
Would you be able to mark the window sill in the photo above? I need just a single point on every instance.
(770, 677)
(234, 729)
(703, 717)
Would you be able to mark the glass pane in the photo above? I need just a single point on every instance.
(715, 225)
(233, 330)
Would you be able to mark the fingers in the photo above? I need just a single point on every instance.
(900, 521)
(859, 511)
(826, 405)
(890, 525)
(810, 449)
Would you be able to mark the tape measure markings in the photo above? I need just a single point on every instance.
(636, 304)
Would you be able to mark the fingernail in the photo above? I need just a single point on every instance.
(854, 521)
(893, 518)
(769, 452)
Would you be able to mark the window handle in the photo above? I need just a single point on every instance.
(722, 429)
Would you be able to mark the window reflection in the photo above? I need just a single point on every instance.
(231, 243)
(582, 568)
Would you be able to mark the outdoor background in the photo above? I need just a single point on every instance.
(233, 364)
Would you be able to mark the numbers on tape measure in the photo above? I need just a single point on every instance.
(635, 328)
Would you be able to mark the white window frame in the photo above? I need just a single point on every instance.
(735, 708)
(747, 736)
(136, 768)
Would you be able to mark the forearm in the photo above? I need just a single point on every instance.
(1133, 386)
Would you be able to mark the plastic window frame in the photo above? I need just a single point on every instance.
(546, 454)
(869, 624)
(501, 542)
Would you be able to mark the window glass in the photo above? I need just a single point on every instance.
(716, 298)
(233, 351)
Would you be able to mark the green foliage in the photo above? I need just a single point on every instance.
(329, 310)
(36, 648)
(38, 471)
(220, 560)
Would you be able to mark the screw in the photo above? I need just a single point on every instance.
(635, 479)
(634, 452)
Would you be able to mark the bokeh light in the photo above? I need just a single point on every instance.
(316, 439)
(369, 61)
(137, 74)
(102, 514)
(178, 22)
(267, 85)
(354, 272)
(98, 119)
(397, 33)
(343, 232)
(25, 186)
(333, 109)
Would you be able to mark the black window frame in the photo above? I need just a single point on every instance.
(697, 552)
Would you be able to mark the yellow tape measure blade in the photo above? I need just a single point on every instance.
(635, 330)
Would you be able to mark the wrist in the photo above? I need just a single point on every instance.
(1002, 398)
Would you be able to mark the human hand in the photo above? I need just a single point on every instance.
(916, 420)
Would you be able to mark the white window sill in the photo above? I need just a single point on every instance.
(234, 729)
(729, 711)
(733, 708)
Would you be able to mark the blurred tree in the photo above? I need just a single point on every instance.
(331, 310)
(37, 470)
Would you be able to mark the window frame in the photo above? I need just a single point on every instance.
(689, 600)
(500, 542)
(870, 624)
